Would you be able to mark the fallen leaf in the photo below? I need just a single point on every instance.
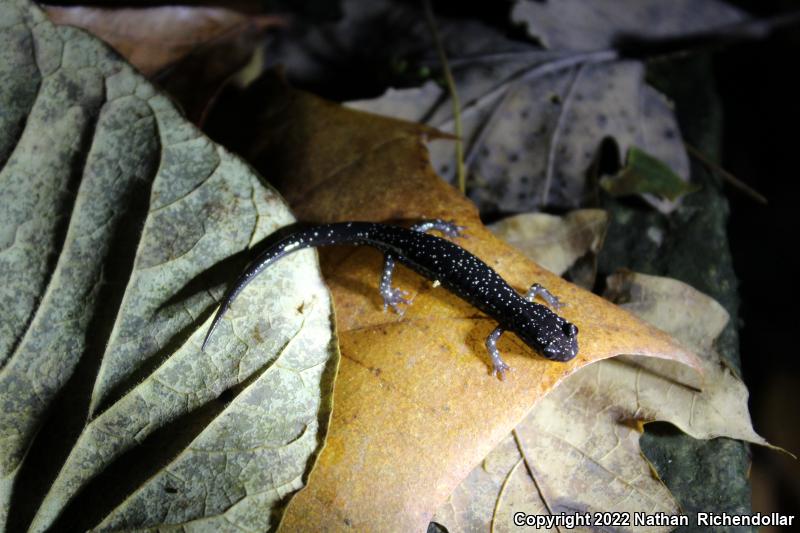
(559, 244)
(152, 38)
(534, 120)
(578, 449)
(581, 25)
(415, 405)
(120, 221)
(192, 52)
(570, 455)
(696, 320)
(472, 505)
(645, 174)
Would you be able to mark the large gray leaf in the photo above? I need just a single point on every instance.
(534, 119)
(534, 122)
(119, 222)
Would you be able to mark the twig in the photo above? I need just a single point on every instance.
(724, 174)
(451, 87)
(493, 57)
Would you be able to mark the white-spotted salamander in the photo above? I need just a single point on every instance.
(439, 260)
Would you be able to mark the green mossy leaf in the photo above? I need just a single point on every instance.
(645, 174)
(119, 225)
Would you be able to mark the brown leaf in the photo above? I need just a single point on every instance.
(579, 446)
(155, 37)
(720, 410)
(415, 406)
(560, 244)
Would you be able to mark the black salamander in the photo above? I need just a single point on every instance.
(439, 260)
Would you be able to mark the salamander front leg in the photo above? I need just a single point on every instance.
(393, 297)
(544, 294)
(448, 228)
(491, 344)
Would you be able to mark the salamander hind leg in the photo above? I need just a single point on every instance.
(391, 297)
(544, 294)
(448, 228)
(499, 366)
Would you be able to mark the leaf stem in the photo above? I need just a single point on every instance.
(724, 174)
(451, 87)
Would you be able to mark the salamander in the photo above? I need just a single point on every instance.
(443, 262)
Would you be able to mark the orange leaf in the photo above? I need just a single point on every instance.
(415, 406)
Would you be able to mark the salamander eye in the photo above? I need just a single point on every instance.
(570, 330)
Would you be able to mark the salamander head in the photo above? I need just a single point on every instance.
(552, 336)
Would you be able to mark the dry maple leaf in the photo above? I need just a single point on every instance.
(415, 407)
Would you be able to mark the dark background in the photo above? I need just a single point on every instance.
(759, 87)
